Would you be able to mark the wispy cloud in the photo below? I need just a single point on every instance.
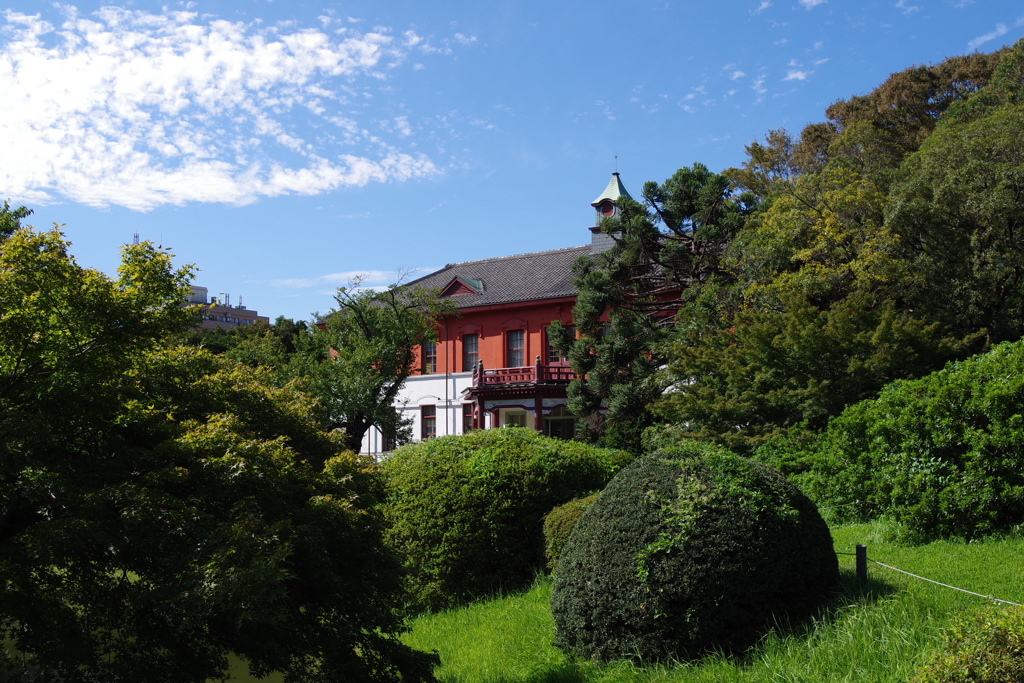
(811, 4)
(796, 75)
(765, 4)
(907, 8)
(999, 31)
(123, 107)
(375, 279)
(736, 74)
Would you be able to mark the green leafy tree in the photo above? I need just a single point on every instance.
(670, 243)
(816, 318)
(10, 219)
(256, 344)
(963, 221)
(357, 360)
(162, 508)
(936, 456)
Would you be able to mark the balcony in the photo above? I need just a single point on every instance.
(538, 373)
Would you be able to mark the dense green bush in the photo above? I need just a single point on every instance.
(939, 456)
(465, 512)
(987, 648)
(688, 550)
(559, 523)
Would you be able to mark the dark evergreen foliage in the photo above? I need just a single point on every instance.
(627, 296)
(689, 550)
(465, 512)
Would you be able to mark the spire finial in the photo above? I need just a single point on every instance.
(616, 163)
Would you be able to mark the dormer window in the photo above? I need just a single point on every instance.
(607, 208)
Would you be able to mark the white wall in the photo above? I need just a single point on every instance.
(444, 392)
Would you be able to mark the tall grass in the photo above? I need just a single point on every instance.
(879, 633)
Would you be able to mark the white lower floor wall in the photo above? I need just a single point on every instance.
(437, 406)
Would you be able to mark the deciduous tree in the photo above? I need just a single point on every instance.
(161, 507)
(357, 360)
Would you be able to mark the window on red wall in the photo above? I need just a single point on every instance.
(429, 357)
(428, 422)
(467, 418)
(470, 351)
(553, 355)
(515, 346)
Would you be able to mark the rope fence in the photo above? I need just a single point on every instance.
(862, 575)
(845, 505)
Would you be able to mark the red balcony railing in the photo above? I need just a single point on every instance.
(538, 373)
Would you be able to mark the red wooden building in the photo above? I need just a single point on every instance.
(492, 364)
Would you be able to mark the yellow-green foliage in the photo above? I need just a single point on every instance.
(987, 648)
(558, 525)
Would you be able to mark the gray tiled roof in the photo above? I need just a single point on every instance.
(509, 279)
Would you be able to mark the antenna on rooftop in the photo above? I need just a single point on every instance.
(135, 239)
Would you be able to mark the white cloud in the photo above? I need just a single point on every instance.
(736, 74)
(127, 108)
(999, 31)
(765, 4)
(365, 279)
(811, 4)
(907, 8)
(796, 75)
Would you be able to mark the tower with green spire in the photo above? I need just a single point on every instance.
(606, 206)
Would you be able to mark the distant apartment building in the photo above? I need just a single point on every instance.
(218, 312)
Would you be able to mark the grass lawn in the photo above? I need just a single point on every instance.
(879, 634)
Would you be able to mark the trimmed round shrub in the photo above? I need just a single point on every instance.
(689, 550)
(986, 648)
(465, 512)
(559, 523)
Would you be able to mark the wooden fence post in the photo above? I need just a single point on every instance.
(862, 565)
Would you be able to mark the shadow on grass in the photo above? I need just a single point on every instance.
(566, 672)
(849, 593)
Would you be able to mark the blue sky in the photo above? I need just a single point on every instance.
(284, 147)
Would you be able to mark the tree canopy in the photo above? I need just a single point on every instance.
(358, 358)
(162, 507)
(877, 245)
(671, 242)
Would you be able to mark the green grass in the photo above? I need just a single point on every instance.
(879, 634)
